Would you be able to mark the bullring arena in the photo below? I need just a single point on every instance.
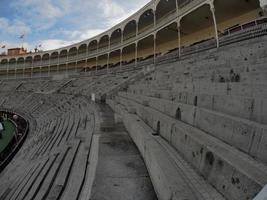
(169, 104)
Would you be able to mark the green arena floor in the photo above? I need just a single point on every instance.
(7, 134)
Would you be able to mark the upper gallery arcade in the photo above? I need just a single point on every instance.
(158, 28)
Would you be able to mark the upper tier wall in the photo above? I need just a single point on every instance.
(188, 21)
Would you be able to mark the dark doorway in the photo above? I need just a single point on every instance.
(178, 114)
(195, 101)
(158, 129)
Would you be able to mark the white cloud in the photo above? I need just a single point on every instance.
(110, 8)
(75, 20)
(55, 44)
(112, 12)
(90, 33)
(15, 27)
(41, 14)
(39, 8)
(81, 34)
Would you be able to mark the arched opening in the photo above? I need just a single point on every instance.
(52, 69)
(28, 64)
(54, 58)
(102, 62)
(103, 43)
(128, 54)
(36, 71)
(4, 63)
(44, 71)
(28, 61)
(91, 64)
(45, 59)
(62, 67)
(71, 67)
(37, 60)
(238, 12)
(197, 30)
(92, 47)
(27, 72)
(12, 63)
(129, 30)
(19, 72)
(63, 56)
(146, 21)
(81, 65)
(72, 53)
(178, 114)
(20, 62)
(146, 48)
(164, 9)
(3, 67)
(115, 38)
(167, 39)
(82, 50)
(114, 58)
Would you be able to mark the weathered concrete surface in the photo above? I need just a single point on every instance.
(172, 176)
(121, 173)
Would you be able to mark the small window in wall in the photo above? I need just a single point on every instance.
(195, 101)
(178, 114)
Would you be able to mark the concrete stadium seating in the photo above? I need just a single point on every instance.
(198, 110)
(199, 124)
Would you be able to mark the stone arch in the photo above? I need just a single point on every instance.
(167, 39)
(12, 63)
(128, 54)
(63, 55)
(238, 12)
(82, 49)
(20, 62)
(45, 59)
(103, 43)
(115, 37)
(146, 48)
(72, 52)
(102, 61)
(54, 58)
(92, 47)
(37, 60)
(114, 58)
(91, 64)
(165, 8)
(29, 60)
(146, 21)
(129, 30)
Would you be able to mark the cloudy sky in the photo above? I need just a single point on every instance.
(57, 23)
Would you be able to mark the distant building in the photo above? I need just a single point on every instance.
(16, 51)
